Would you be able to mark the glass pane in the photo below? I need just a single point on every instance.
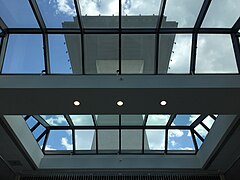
(208, 121)
(58, 14)
(131, 140)
(155, 139)
(24, 54)
(108, 139)
(199, 142)
(215, 54)
(82, 120)
(132, 120)
(201, 130)
(31, 121)
(101, 54)
(65, 53)
(55, 120)
(222, 14)
(12, 10)
(184, 13)
(180, 140)
(85, 139)
(59, 140)
(100, 21)
(157, 120)
(38, 131)
(166, 43)
(140, 13)
(138, 52)
(107, 120)
(184, 120)
(181, 54)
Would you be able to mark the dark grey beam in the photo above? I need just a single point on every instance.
(120, 38)
(193, 53)
(143, 132)
(3, 48)
(198, 135)
(69, 120)
(236, 26)
(35, 126)
(158, 27)
(120, 135)
(166, 142)
(82, 29)
(41, 136)
(38, 15)
(194, 141)
(205, 126)
(46, 54)
(96, 131)
(198, 120)
(236, 48)
(202, 14)
(123, 30)
(3, 26)
(171, 119)
(41, 120)
(45, 141)
(73, 141)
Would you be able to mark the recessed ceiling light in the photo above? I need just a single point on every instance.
(76, 103)
(163, 103)
(120, 103)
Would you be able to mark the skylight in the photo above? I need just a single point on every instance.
(120, 134)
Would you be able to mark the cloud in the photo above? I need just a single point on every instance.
(193, 117)
(63, 7)
(157, 120)
(173, 143)
(55, 120)
(64, 142)
(175, 133)
(186, 148)
(49, 148)
(201, 130)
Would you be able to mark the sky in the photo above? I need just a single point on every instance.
(214, 52)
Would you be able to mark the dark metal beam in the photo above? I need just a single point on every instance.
(69, 120)
(198, 120)
(236, 26)
(73, 141)
(38, 15)
(3, 48)
(45, 140)
(3, 26)
(236, 48)
(198, 135)
(35, 126)
(41, 120)
(158, 27)
(82, 31)
(96, 131)
(166, 142)
(120, 135)
(194, 141)
(46, 54)
(171, 119)
(120, 38)
(41, 136)
(205, 126)
(143, 131)
(202, 14)
(193, 53)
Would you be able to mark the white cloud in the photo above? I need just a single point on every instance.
(64, 7)
(186, 148)
(173, 143)
(175, 133)
(49, 148)
(54, 120)
(193, 117)
(64, 142)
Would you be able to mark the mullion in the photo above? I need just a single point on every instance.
(213, 117)
(166, 142)
(120, 134)
(3, 48)
(35, 126)
(236, 26)
(205, 126)
(171, 119)
(120, 39)
(27, 117)
(202, 14)
(78, 10)
(198, 135)
(45, 140)
(69, 120)
(194, 140)
(236, 48)
(3, 26)
(96, 131)
(159, 23)
(198, 120)
(41, 136)
(193, 53)
(143, 132)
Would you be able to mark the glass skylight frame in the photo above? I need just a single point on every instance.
(82, 31)
(42, 139)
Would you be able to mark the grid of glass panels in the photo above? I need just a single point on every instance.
(120, 37)
(120, 134)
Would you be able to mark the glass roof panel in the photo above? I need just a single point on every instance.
(101, 54)
(108, 140)
(138, 52)
(59, 140)
(107, 120)
(157, 120)
(222, 14)
(201, 130)
(85, 139)
(199, 142)
(208, 121)
(179, 61)
(82, 120)
(38, 131)
(58, 14)
(31, 121)
(215, 54)
(155, 139)
(180, 140)
(40, 143)
(131, 140)
(12, 10)
(184, 120)
(184, 12)
(55, 120)
(132, 120)
(24, 54)
(60, 52)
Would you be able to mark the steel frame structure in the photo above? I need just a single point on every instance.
(120, 127)
(81, 30)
